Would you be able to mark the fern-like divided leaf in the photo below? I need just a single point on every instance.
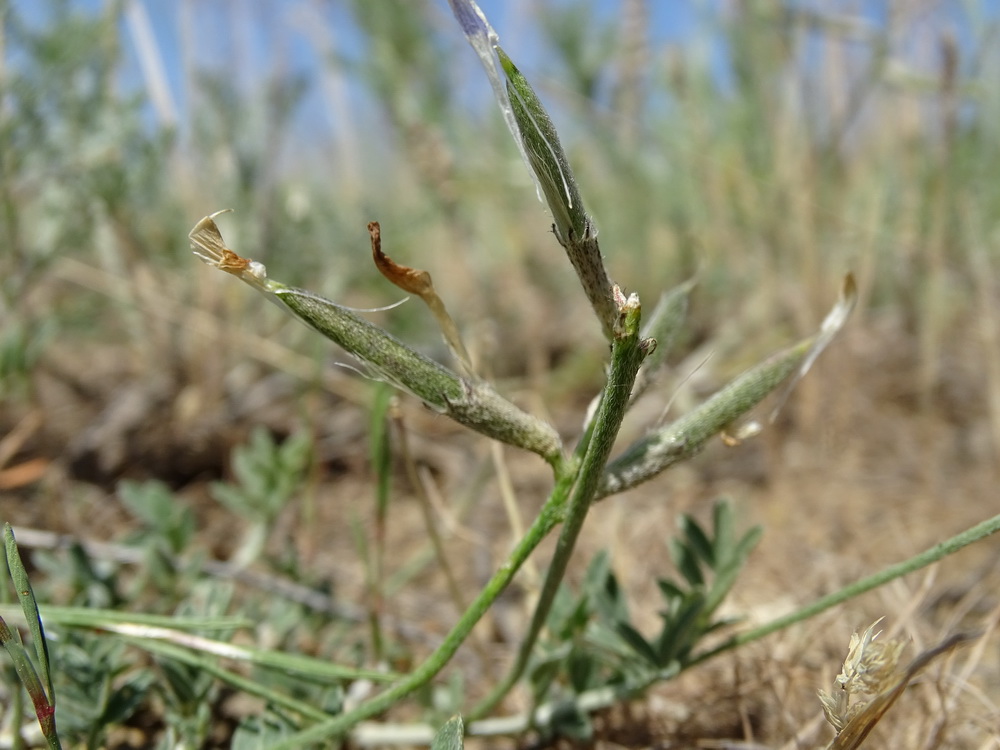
(592, 641)
(708, 565)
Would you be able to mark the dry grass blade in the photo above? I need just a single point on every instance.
(863, 722)
(418, 282)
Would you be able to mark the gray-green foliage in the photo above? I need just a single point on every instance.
(708, 563)
(74, 150)
(267, 475)
(450, 735)
(99, 687)
(592, 642)
(76, 160)
(82, 180)
(586, 475)
(165, 520)
(583, 477)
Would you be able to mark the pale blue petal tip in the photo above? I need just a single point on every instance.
(468, 17)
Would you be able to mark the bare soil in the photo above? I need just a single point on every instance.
(865, 467)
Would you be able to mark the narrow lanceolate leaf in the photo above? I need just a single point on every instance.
(39, 689)
(29, 605)
(470, 402)
(548, 162)
(26, 673)
(686, 437)
(450, 736)
(546, 157)
(536, 139)
(682, 439)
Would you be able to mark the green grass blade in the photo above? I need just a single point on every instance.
(26, 596)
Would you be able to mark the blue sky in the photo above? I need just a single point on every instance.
(260, 37)
(255, 39)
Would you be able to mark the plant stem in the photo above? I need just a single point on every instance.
(580, 479)
(255, 687)
(931, 555)
(543, 524)
(627, 355)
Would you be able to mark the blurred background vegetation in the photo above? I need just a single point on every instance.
(776, 147)
(781, 145)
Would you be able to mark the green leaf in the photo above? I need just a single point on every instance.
(267, 475)
(566, 613)
(543, 673)
(545, 154)
(261, 732)
(295, 453)
(670, 590)
(603, 590)
(450, 736)
(688, 435)
(687, 562)
(26, 596)
(698, 541)
(569, 720)
(635, 640)
(605, 639)
(166, 518)
(680, 630)
(598, 572)
(125, 699)
(582, 668)
(746, 545)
